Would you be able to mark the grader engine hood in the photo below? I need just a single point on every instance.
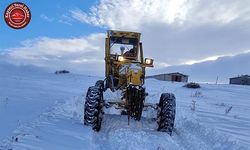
(133, 73)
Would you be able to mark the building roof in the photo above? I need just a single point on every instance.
(177, 73)
(174, 73)
(242, 76)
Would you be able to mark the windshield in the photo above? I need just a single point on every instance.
(118, 48)
(121, 45)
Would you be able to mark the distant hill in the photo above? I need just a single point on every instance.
(223, 67)
(8, 68)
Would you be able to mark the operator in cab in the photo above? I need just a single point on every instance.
(129, 53)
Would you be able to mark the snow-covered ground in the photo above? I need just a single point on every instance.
(40, 110)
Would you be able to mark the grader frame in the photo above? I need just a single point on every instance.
(126, 73)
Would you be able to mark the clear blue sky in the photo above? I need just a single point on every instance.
(39, 27)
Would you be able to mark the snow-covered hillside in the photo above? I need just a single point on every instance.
(41, 110)
(224, 68)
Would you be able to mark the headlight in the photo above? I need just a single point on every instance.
(149, 61)
(120, 58)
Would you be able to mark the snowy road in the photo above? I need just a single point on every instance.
(57, 120)
(61, 129)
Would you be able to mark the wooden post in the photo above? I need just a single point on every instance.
(217, 80)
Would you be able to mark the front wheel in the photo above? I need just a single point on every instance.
(166, 113)
(93, 109)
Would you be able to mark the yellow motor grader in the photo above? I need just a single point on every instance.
(125, 71)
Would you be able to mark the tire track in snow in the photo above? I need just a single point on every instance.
(192, 135)
(189, 134)
(60, 128)
(117, 134)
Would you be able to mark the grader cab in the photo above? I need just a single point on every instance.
(125, 71)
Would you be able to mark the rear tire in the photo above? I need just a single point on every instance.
(93, 110)
(100, 84)
(166, 113)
